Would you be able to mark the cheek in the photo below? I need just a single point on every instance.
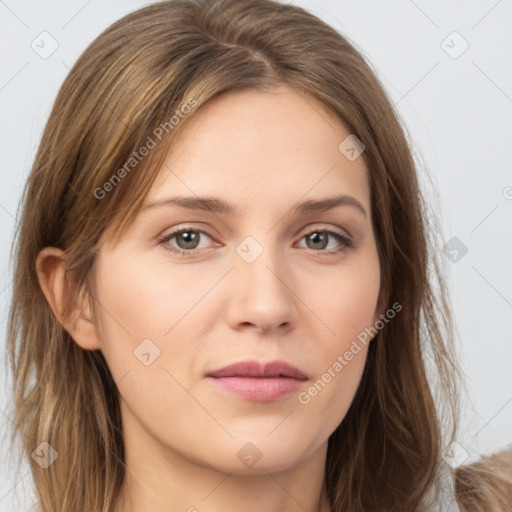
(152, 318)
(143, 329)
(141, 300)
(340, 355)
(346, 307)
(346, 302)
(133, 313)
(330, 395)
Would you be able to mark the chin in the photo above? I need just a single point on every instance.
(263, 453)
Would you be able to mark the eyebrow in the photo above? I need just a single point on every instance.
(216, 205)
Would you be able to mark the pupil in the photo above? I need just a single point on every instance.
(189, 239)
(318, 238)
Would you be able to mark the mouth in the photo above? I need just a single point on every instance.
(260, 382)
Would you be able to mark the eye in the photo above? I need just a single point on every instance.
(319, 240)
(187, 241)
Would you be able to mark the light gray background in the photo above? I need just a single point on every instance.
(457, 112)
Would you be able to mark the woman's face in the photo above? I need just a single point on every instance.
(260, 274)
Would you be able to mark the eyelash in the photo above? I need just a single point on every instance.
(346, 241)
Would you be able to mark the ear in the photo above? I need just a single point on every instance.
(380, 310)
(56, 286)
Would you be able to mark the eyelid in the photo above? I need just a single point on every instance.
(328, 228)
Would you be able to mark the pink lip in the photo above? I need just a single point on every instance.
(257, 381)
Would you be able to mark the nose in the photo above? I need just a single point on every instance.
(262, 296)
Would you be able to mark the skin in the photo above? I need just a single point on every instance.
(294, 303)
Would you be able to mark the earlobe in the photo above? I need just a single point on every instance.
(380, 311)
(74, 314)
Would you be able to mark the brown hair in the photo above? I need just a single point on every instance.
(485, 485)
(385, 455)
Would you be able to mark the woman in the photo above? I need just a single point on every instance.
(223, 277)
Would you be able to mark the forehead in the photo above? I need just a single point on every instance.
(262, 147)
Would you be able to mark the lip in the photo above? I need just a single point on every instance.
(257, 381)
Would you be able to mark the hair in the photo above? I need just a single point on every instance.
(386, 453)
(485, 485)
